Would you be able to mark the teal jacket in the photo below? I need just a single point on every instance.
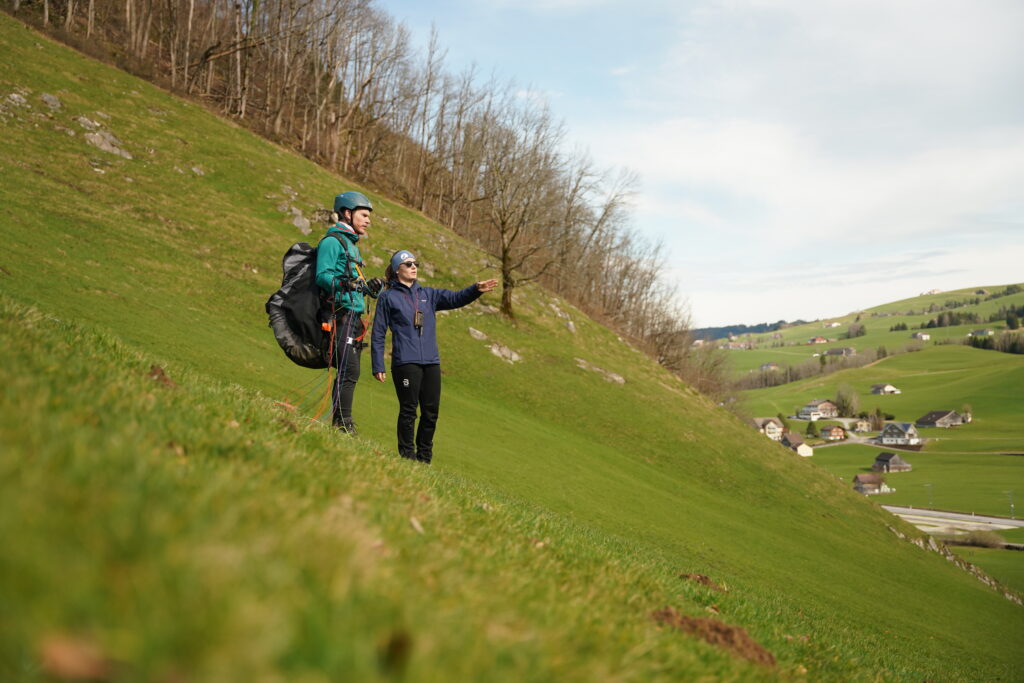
(337, 265)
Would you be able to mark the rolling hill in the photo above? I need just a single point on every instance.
(790, 346)
(165, 517)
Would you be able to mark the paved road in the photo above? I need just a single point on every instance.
(939, 521)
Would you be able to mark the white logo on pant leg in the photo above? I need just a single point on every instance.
(405, 382)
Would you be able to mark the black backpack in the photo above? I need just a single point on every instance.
(296, 311)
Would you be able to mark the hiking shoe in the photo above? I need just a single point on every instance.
(345, 425)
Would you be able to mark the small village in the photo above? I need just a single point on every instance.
(868, 429)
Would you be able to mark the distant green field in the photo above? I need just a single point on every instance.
(973, 482)
(966, 465)
(159, 505)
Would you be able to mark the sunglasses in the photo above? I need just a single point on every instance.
(410, 264)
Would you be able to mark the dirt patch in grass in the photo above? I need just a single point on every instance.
(157, 374)
(717, 633)
(704, 580)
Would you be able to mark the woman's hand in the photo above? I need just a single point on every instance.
(380, 376)
(486, 285)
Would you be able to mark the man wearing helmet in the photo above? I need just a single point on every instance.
(339, 275)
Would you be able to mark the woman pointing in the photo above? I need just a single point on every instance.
(408, 309)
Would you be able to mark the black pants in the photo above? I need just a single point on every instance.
(346, 359)
(417, 386)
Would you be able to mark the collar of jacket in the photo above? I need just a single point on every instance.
(345, 230)
(409, 288)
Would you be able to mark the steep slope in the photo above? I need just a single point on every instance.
(559, 516)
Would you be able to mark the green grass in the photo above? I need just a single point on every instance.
(203, 532)
(968, 465)
(969, 482)
(1007, 566)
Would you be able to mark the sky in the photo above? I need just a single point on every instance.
(798, 158)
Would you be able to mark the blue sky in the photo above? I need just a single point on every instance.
(798, 158)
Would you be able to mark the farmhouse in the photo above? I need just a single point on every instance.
(899, 434)
(940, 418)
(845, 351)
(870, 484)
(987, 332)
(818, 408)
(795, 442)
(818, 340)
(862, 425)
(769, 367)
(884, 389)
(923, 336)
(890, 462)
(835, 433)
(769, 426)
(831, 324)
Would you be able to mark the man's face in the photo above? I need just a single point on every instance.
(360, 221)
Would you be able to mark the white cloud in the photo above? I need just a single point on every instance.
(621, 70)
(776, 128)
(819, 288)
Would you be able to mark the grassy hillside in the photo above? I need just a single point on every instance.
(163, 517)
(790, 346)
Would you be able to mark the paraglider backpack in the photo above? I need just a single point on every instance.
(296, 310)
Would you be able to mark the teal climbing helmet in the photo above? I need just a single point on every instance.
(351, 201)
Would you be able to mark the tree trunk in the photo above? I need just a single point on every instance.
(188, 43)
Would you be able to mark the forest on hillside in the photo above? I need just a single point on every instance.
(341, 82)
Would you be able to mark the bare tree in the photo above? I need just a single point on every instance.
(518, 181)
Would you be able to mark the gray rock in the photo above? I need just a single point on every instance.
(505, 353)
(477, 334)
(88, 124)
(198, 171)
(302, 223)
(571, 326)
(102, 115)
(106, 142)
(50, 101)
(558, 311)
(17, 100)
(283, 207)
(608, 375)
